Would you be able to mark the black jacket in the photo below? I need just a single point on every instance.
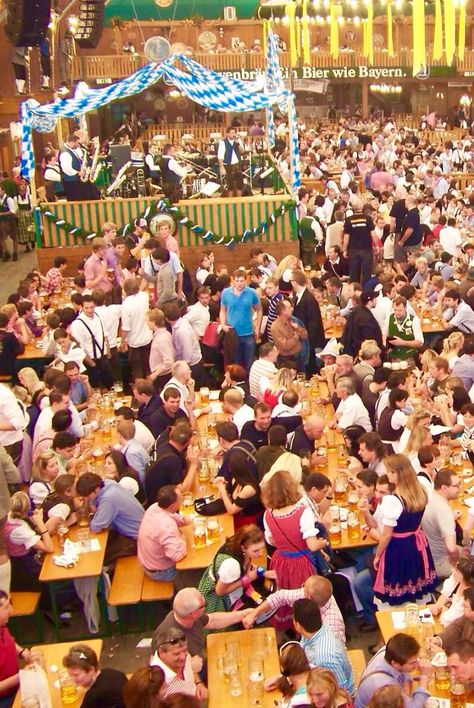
(307, 310)
(360, 325)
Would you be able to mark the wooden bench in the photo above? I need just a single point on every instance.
(126, 588)
(358, 663)
(25, 604)
(156, 590)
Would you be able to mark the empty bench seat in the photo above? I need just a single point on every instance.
(126, 588)
(156, 590)
(24, 603)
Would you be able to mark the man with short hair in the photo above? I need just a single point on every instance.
(306, 438)
(189, 616)
(135, 454)
(58, 401)
(160, 543)
(439, 523)
(149, 402)
(372, 452)
(439, 373)
(391, 666)
(136, 335)
(257, 430)
(288, 411)
(95, 268)
(167, 414)
(143, 434)
(175, 462)
(228, 439)
(461, 662)
(263, 370)
(361, 325)
(458, 314)
(351, 410)
(198, 314)
(165, 278)
(411, 234)
(115, 509)
(81, 390)
(183, 381)
(464, 365)
(461, 628)
(273, 457)
(88, 331)
(238, 303)
(306, 309)
(233, 403)
(320, 644)
(369, 360)
(181, 672)
(359, 243)
(185, 340)
(288, 335)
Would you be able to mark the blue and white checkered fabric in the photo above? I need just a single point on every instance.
(202, 85)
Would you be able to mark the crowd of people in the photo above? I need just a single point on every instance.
(135, 319)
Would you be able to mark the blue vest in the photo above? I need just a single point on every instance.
(167, 174)
(229, 149)
(76, 165)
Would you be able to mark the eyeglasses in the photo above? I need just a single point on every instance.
(173, 642)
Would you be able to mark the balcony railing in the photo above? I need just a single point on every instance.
(91, 68)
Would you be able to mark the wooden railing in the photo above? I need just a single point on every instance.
(118, 66)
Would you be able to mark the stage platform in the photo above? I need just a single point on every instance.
(224, 217)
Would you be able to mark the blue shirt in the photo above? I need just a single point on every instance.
(324, 649)
(117, 508)
(240, 309)
(379, 673)
(137, 458)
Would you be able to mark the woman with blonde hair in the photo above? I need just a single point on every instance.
(29, 379)
(284, 272)
(324, 691)
(403, 561)
(16, 324)
(426, 359)
(294, 668)
(289, 527)
(452, 345)
(420, 417)
(44, 471)
(419, 437)
(281, 382)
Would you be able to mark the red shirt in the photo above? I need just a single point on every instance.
(8, 659)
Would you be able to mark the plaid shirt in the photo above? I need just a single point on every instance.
(330, 612)
(53, 279)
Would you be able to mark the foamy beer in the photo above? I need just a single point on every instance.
(353, 528)
(442, 673)
(204, 396)
(187, 504)
(212, 530)
(203, 474)
(98, 455)
(335, 533)
(341, 455)
(353, 500)
(199, 533)
(457, 695)
(340, 490)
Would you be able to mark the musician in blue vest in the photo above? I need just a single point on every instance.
(171, 174)
(228, 154)
(71, 159)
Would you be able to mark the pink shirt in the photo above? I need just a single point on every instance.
(160, 544)
(171, 244)
(93, 268)
(161, 352)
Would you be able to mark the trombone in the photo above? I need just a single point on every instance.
(207, 171)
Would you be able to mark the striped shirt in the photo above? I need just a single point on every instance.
(173, 683)
(330, 612)
(467, 437)
(262, 372)
(325, 650)
(272, 315)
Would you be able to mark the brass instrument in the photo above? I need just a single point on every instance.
(84, 171)
(199, 170)
(140, 180)
(95, 167)
(120, 178)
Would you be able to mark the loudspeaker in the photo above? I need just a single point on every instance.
(27, 22)
(91, 22)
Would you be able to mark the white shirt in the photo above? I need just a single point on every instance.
(83, 337)
(65, 160)
(353, 413)
(10, 411)
(110, 316)
(307, 527)
(185, 342)
(45, 419)
(221, 152)
(134, 322)
(242, 416)
(75, 353)
(143, 435)
(450, 240)
(198, 317)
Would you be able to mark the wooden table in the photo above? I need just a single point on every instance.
(89, 566)
(33, 352)
(336, 330)
(53, 654)
(201, 558)
(386, 626)
(219, 694)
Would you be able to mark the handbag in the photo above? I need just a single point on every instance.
(209, 506)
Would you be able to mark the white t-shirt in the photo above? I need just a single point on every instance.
(134, 321)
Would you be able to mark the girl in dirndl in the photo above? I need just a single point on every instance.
(26, 226)
(403, 560)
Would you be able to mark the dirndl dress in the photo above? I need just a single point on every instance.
(26, 233)
(292, 560)
(406, 570)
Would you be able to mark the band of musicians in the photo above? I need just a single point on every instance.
(88, 170)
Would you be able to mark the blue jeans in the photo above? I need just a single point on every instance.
(169, 574)
(363, 584)
(360, 264)
(246, 351)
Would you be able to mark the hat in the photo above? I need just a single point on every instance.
(141, 222)
(159, 219)
(332, 348)
(367, 296)
(130, 484)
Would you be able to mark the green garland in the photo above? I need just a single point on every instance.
(163, 207)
